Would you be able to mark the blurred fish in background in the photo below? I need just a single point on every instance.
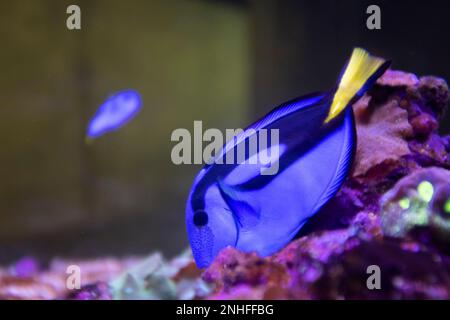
(114, 113)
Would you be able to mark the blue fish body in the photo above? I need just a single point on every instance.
(235, 205)
(115, 112)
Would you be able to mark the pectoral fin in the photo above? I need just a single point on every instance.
(243, 207)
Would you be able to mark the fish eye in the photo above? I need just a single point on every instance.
(200, 218)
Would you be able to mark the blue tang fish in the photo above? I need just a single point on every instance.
(235, 205)
(117, 110)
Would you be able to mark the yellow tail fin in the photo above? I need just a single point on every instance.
(359, 69)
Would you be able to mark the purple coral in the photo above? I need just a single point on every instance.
(397, 124)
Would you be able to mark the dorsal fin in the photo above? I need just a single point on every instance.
(282, 110)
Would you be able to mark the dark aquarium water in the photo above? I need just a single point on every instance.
(224, 149)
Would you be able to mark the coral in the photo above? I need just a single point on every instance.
(392, 212)
(405, 274)
(28, 280)
(150, 277)
(382, 133)
(417, 200)
(154, 278)
(234, 268)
